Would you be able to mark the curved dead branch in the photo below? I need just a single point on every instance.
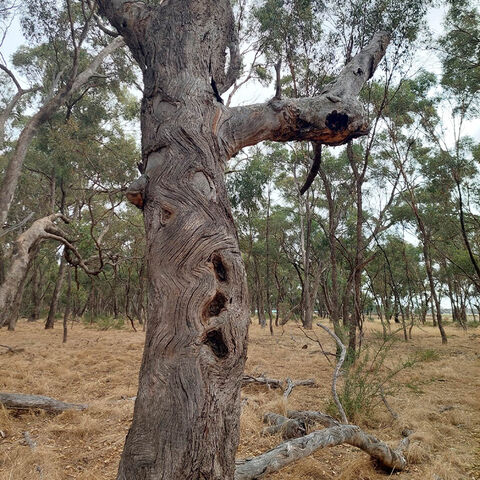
(296, 449)
(336, 372)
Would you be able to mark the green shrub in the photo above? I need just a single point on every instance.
(428, 355)
(367, 379)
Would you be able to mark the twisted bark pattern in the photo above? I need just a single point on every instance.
(198, 318)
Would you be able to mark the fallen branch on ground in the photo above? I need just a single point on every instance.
(270, 382)
(275, 383)
(291, 384)
(29, 441)
(12, 350)
(288, 427)
(19, 401)
(293, 450)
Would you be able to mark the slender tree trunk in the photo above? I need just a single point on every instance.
(55, 296)
(334, 294)
(14, 311)
(68, 305)
(435, 300)
(267, 265)
(36, 294)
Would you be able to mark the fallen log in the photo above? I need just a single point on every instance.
(288, 427)
(19, 401)
(262, 380)
(12, 349)
(310, 417)
(296, 449)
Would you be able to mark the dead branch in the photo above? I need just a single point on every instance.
(387, 405)
(12, 350)
(262, 380)
(288, 427)
(29, 441)
(291, 384)
(336, 372)
(293, 450)
(20, 401)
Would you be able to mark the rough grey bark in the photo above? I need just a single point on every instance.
(186, 416)
(20, 401)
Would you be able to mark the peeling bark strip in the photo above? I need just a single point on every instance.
(293, 450)
(19, 401)
(186, 417)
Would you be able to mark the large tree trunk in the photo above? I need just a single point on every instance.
(186, 416)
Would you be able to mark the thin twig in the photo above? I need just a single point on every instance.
(387, 405)
(29, 441)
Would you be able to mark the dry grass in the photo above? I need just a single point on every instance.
(100, 368)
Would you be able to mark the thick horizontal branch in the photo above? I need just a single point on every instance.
(332, 118)
(296, 449)
(19, 401)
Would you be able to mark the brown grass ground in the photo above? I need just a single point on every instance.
(100, 368)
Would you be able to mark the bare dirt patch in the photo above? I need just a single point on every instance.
(439, 398)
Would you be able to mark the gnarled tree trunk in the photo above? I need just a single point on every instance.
(186, 417)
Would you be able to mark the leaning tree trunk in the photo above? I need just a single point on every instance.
(24, 251)
(186, 416)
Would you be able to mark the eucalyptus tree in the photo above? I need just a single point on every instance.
(460, 50)
(71, 167)
(247, 193)
(60, 63)
(198, 315)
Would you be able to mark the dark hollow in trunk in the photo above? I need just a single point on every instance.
(186, 416)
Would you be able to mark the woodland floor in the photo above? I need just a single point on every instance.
(100, 368)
